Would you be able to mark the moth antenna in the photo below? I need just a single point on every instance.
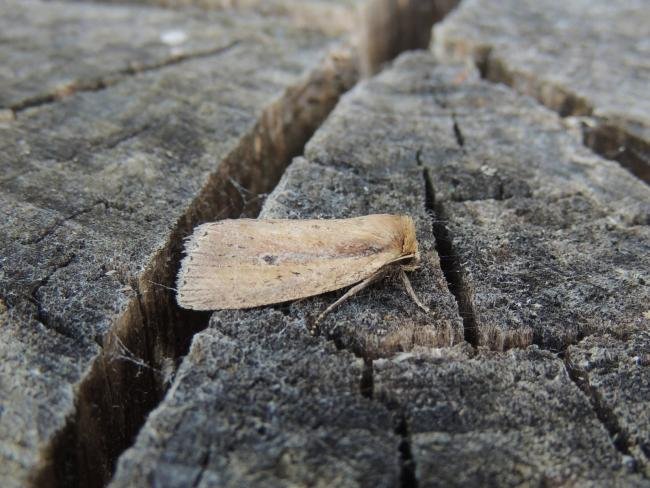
(353, 291)
(411, 291)
(163, 286)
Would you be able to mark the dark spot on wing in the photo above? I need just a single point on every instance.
(268, 259)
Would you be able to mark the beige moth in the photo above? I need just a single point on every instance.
(244, 263)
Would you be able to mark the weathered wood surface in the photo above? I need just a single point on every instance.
(463, 416)
(580, 57)
(614, 371)
(520, 199)
(52, 49)
(99, 188)
(304, 403)
(508, 419)
(282, 408)
(122, 126)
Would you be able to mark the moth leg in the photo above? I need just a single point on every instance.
(351, 292)
(411, 291)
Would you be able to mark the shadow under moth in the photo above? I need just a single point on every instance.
(244, 263)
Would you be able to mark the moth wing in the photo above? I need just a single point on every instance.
(247, 263)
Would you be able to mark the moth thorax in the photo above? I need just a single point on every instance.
(409, 243)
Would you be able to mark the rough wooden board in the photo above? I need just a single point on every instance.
(379, 139)
(616, 373)
(37, 372)
(258, 401)
(390, 27)
(382, 28)
(552, 242)
(51, 50)
(546, 235)
(382, 319)
(121, 166)
(378, 322)
(520, 199)
(98, 190)
(505, 184)
(332, 16)
(579, 57)
(563, 280)
(508, 419)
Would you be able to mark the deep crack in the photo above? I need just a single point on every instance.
(125, 382)
(450, 263)
(606, 138)
(205, 459)
(367, 385)
(408, 476)
(113, 402)
(460, 139)
(620, 438)
(613, 142)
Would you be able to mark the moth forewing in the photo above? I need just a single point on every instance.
(247, 263)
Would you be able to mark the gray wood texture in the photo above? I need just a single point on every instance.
(125, 124)
(581, 58)
(99, 188)
(502, 202)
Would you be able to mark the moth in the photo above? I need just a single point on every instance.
(244, 263)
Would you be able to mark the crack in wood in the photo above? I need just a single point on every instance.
(205, 460)
(408, 474)
(453, 273)
(111, 79)
(41, 315)
(367, 384)
(47, 232)
(611, 141)
(450, 263)
(621, 439)
(460, 139)
(125, 382)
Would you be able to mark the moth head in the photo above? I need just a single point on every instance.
(410, 242)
